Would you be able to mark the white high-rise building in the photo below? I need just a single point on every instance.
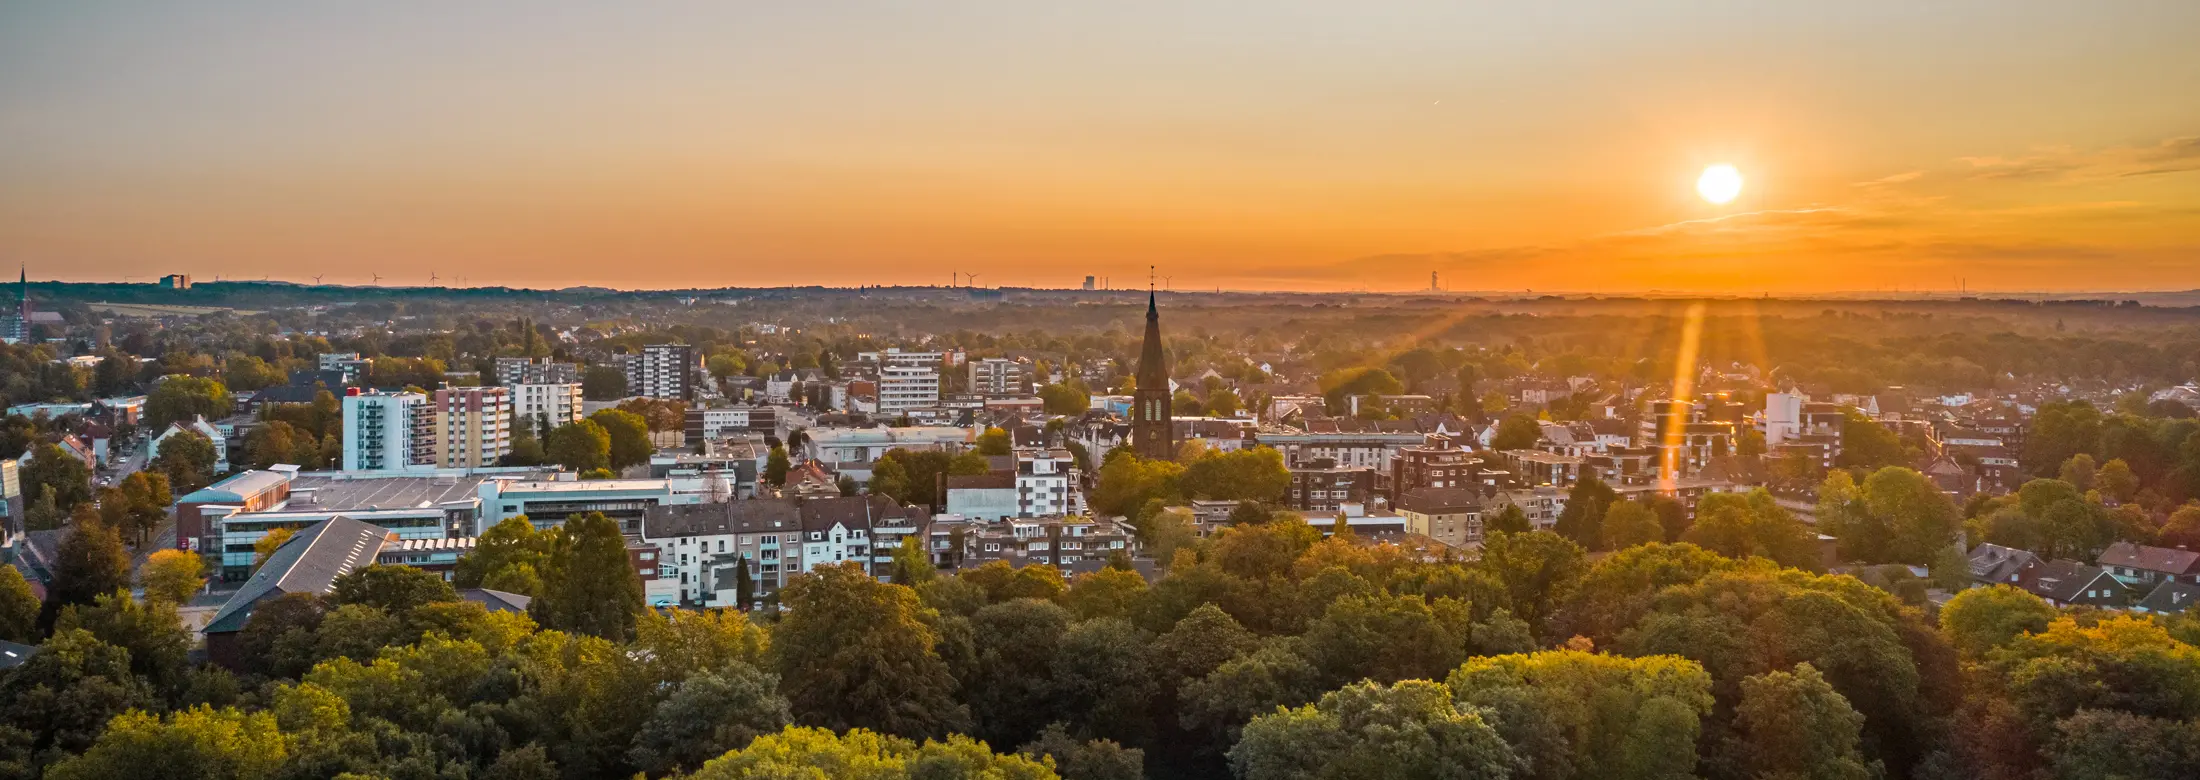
(662, 371)
(540, 409)
(389, 432)
(902, 388)
(1000, 376)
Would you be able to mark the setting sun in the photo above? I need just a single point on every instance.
(1719, 184)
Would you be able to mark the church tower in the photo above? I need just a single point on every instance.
(1153, 434)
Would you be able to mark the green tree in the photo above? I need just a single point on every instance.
(1538, 569)
(860, 754)
(1010, 687)
(1128, 481)
(580, 446)
(1508, 519)
(52, 472)
(1256, 474)
(1105, 593)
(2079, 471)
(187, 459)
(1981, 619)
(526, 449)
(265, 546)
(2117, 482)
(18, 607)
(201, 743)
(181, 398)
(1739, 526)
(629, 437)
(709, 715)
(1387, 638)
(776, 466)
(172, 575)
(397, 590)
(506, 547)
(994, 441)
(1629, 523)
(1094, 760)
(1517, 432)
(1411, 729)
(1917, 518)
(1867, 444)
(152, 633)
(1066, 398)
(1582, 521)
(63, 697)
(603, 383)
(853, 652)
(91, 563)
(1795, 725)
(589, 585)
(1573, 714)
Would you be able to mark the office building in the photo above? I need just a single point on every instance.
(388, 432)
(473, 426)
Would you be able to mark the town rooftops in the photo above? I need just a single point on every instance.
(1440, 501)
(2166, 560)
(309, 562)
(2066, 581)
(2006, 565)
(2169, 598)
(339, 493)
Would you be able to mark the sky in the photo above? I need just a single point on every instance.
(1996, 145)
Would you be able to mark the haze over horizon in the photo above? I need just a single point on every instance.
(2003, 146)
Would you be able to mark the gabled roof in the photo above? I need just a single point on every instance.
(2066, 581)
(1995, 563)
(2158, 559)
(496, 600)
(309, 562)
(2170, 597)
(1436, 501)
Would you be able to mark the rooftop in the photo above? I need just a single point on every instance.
(331, 493)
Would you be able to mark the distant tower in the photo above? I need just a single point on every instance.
(1153, 432)
(1432, 282)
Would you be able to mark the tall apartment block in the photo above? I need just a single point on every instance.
(388, 432)
(662, 371)
(1000, 376)
(541, 408)
(901, 388)
(531, 371)
(473, 426)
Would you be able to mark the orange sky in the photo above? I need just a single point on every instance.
(2017, 145)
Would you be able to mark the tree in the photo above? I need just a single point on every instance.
(1867, 444)
(1517, 432)
(603, 383)
(861, 754)
(1629, 523)
(776, 466)
(18, 608)
(853, 652)
(182, 398)
(1108, 592)
(912, 564)
(1066, 398)
(1509, 519)
(526, 449)
(91, 563)
(1128, 481)
(2116, 481)
(1256, 474)
(147, 495)
(2079, 471)
(1739, 526)
(393, 589)
(152, 633)
(580, 446)
(1098, 759)
(172, 575)
(1583, 518)
(1538, 569)
(628, 435)
(1577, 714)
(710, 714)
(1906, 515)
(1411, 729)
(507, 546)
(1387, 638)
(1010, 687)
(63, 697)
(2183, 528)
(187, 459)
(52, 472)
(1981, 619)
(994, 441)
(201, 742)
(1795, 725)
(589, 585)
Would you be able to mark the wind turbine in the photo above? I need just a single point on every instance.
(431, 278)
(969, 279)
(377, 278)
(317, 279)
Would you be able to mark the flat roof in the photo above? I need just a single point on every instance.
(586, 486)
(356, 493)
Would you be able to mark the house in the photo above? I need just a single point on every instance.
(2141, 567)
(1993, 564)
(1452, 516)
(2066, 583)
(13, 655)
(197, 424)
(2169, 598)
(700, 546)
(309, 562)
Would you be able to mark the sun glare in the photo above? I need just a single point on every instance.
(1719, 184)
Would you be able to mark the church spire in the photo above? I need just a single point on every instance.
(1153, 432)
